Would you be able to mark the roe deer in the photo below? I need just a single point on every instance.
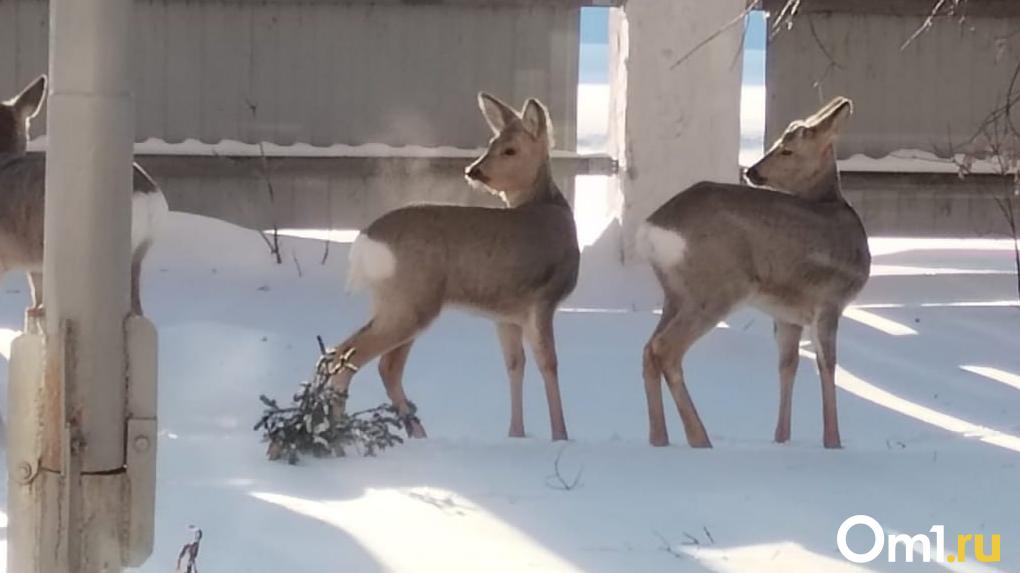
(23, 189)
(797, 251)
(512, 264)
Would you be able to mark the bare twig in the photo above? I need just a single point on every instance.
(751, 5)
(1008, 208)
(668, 547)
(926, 24)
(267, 176)
(557, 481)
(785, 17)
(328, 238)
(265, 239)
(832, 63)
(274, 244)
(1011, 100)
(997, 139)
(325, 250)
(708, 534)
(940, 9)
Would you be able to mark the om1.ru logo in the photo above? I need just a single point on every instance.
(920, 544)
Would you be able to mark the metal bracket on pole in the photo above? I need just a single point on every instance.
(24, 448)
(44, 471)
(140, 509)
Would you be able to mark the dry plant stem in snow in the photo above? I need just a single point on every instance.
(187, 559)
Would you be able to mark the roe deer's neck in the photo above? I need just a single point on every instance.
(16, 147)
(826, 186)
(542, 190)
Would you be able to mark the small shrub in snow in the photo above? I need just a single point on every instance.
(317, 423)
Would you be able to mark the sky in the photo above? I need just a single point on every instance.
(593, 96)
(595, 52)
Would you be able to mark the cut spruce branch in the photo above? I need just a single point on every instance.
(317, 423)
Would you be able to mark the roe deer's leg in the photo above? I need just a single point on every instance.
(788, 341)
(510, 336)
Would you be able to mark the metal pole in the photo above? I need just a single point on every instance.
(80, 500)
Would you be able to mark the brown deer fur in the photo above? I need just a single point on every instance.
(22, 205)
(798, 252)
(513, 265)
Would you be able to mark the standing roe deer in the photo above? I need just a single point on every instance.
(798, 252)
(23, 189)
(512, 264)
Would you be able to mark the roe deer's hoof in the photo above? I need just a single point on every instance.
(560, 436)
(833, 445)
(659, 441)
(700, 443)
(416, 431)
(782, 437)
(516, 433)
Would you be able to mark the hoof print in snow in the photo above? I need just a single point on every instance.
(318, 424)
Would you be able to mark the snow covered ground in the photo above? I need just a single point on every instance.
(929, 408)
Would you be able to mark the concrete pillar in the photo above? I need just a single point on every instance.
(87, 260)
(672, 124)
(83, 379)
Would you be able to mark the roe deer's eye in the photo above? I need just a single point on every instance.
(785, 152)
(510, 151)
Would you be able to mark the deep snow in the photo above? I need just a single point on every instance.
(929, 412)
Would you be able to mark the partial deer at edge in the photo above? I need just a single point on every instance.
(22, 200)
(514, 265)
(796, 250)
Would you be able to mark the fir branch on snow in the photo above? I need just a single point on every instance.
(317, 423)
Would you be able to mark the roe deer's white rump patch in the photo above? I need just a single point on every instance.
(661, 247)
(370, 261)
(148, 211)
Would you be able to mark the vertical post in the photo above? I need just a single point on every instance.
(72, 511)
(672, 124)
(90, 134)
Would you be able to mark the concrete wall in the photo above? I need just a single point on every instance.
(323, 193)
(930, 96)
(927, 204)
(327, 71)
(672, 124)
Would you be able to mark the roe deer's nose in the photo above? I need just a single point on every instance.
(475, 173)
(753, 176)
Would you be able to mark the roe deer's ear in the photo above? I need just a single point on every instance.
(536, 120)
(27, 103)
(497, 113)
(829, 120)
